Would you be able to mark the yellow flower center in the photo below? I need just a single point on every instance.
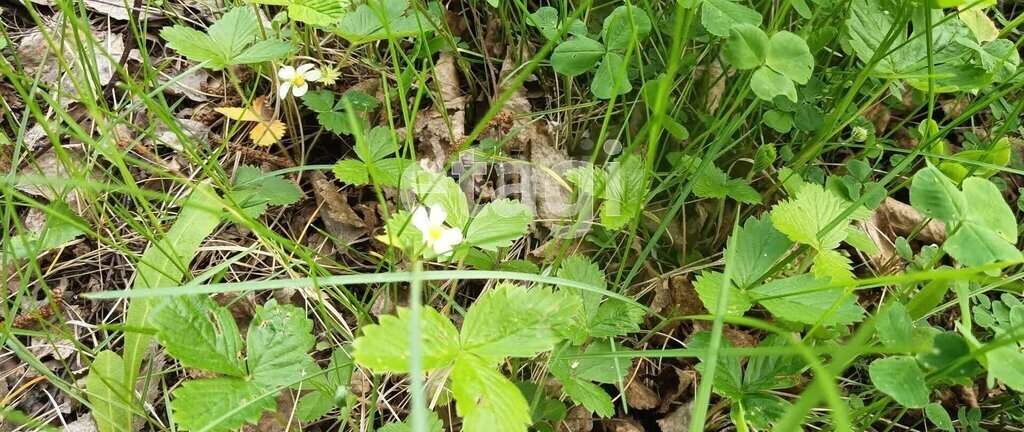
(435, 233)
(298, 81)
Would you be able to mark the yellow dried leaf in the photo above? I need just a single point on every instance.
(265, 134)
(240, 114)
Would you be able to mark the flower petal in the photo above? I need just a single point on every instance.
(298, 91)
(437, 215)
(421, 220)
(305, 68)
(286, 73)
(282, 92)
(313, 75)
(451, 236)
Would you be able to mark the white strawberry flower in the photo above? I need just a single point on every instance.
(296, 79)
(435, 234)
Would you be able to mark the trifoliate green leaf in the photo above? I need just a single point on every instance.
(721, 16)
(900, 378)
(729, 374)
(225, 42)
(831, 264)
(485, 399)
(185, 329)
(790, 56)
(796, 299)
(279, 340)
(220, 404)
(385, 347)
(625, 193)
(499, 224)
(804, 218)
(512, 321)
(747, 46)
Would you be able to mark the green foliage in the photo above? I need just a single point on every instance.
(313, 12)
(624, 27)
(750, 388)
(162, 265)
(624, 194)
(781, 61)
(961, 63)
(507, 321)
(757, 246)
(900, 378)
(203, 335)
(714, 183)
(383, 19)
(547, 21)
(981, 233)
(333, 115)
(62, 226)
(330, 390)
(229, 41)
(721, 16)
(818, 218)
(373, 150)
(254, 191)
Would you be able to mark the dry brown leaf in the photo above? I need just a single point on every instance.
(678, 420)
(344, 225)
(893, 219)
(683, 380)
(440, 130)
(117, 9)
(189, 85)
(523, 133)
(639, 396)
(676, 293)
(627, 424)
(578, 419)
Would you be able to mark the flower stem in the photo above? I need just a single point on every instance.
(419, 401)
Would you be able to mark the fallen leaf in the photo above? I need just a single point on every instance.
(578, 419)
(117, 9)
(627, 424)
(267, 130)
(440, 130)
(678, 420)
(344, 225)
(893, 219)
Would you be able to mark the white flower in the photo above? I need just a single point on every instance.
(435, 234)
(296, 79)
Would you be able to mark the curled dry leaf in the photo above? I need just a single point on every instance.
(344, 225)
(522, 132)
(893, 219)
(578, 419)
(627, 424)
(678, 420)
(440, 130)
(37, 57)
(266, 130)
